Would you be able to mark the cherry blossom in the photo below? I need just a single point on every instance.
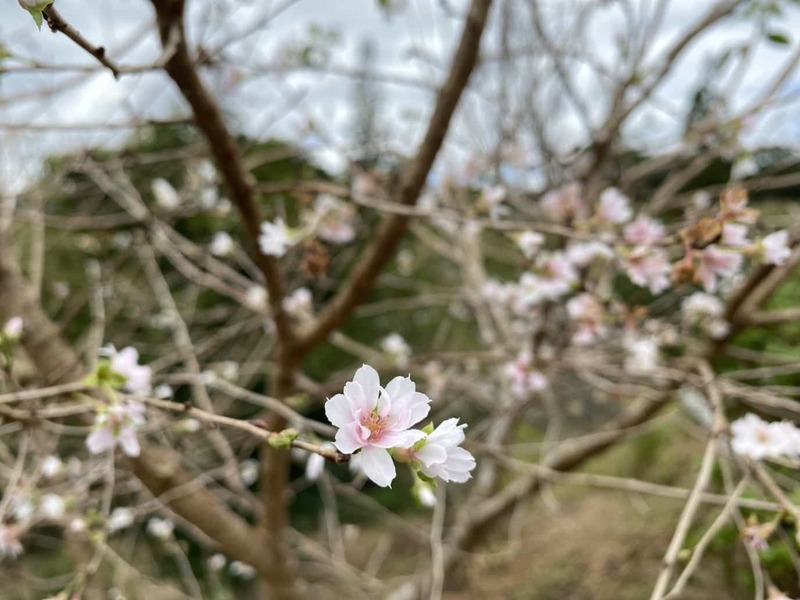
(614, 207)
(556, 275)
(492, 200)
(564, 204)
(256, 298)
(775, 248)
(648, 267)
(529, 242)
(13, 328)
(440, 453)
(276, 238)
(165, 195)
(10, 546)
(588, 313)
(716, 264)
(758, 439)
(734, 207)
(734, 235)
(221, 244)
(51, 467)
(581, 254)
(160, 528)
(117, 425)
(644, 231)
(125, 362)
(524, 378)
(52, 507)
(374, 419)
(299, 303)
(395, 346)
(642, 353)
(334, 219)
(119, 519)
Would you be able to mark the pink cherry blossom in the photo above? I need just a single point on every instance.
(126, 363)
(529, 243)
(588, 313)
(374, 419)
(557, 275)
(117, 425)
(442, 456)
(334, 220)
(775, 248)
(13, 328)
(716, 264)
(648, 267)
(10, 546)
(299, 303)
(276, 238)
(614, 207)
(581, 254)
(524, 378)
(564, 204)
(734, 235)
(644, 231)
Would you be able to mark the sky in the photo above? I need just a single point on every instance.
(413, 45)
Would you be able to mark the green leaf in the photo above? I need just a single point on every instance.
(778, 38)
(36, 11)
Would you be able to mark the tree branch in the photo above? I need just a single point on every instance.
(364, 275)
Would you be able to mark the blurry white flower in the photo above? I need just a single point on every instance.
(52, 507)
(216, 562)
(614, 207)
(126, 363)
(642, 353)
(775, 248)
(734, 234)
(758, 439)
(315, 465)
(51, 466)
(256, 298)
(10, 546)
(117, 425)
(21, 507)
(395, 346)
(248, 471)
(423, 492)
(164, 391)
(165, 194)
(221, 244)
(119, 519)
(582, 253)
(160, 528)
(298, 303)
(239, 569)
(276, 238)
(529, 242)
(13, 328)
(525, 379)
(123, 240)
(334, 220)
(492, 199)
(644, 231)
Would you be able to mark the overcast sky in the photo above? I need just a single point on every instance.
(283, 105)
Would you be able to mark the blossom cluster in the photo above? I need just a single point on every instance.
(376, 422)
(612, 240)
(332, 220)
(755, 438)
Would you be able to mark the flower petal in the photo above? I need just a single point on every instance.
(370, 382)
(128, 442)
(398, 439)
(431, 454)
(339, 411)
(348, 438)
(100, 440)
(378, 465)
(400, 387)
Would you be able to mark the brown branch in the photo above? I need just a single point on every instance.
(364, 275)
(158, 469)
(57, 24)
(209, 119)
